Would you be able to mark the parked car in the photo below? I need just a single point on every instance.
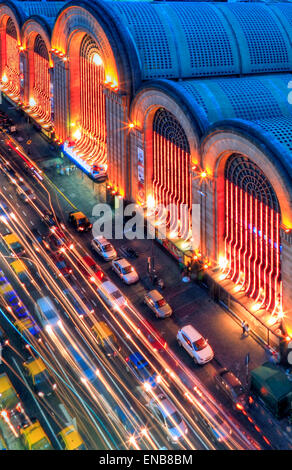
(25, 193)
(104, 248)
(125, 271)
(169, 417)
(158, 304)
(79, 221)
(142, 369)
(194, 343)
(232, 387)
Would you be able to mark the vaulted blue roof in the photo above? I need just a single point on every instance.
(185, 39)
(46, 9)
(252, 98)
(258, 102)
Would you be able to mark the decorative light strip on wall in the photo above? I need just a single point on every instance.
(252, 246)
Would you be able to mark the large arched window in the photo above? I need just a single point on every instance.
(92, 122)
(171, 170)
(252, 231)
(40, 92)
(11, 73)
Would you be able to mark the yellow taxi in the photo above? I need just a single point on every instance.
(39, 376)
(70, 439)
(79, 221)
(13, 244)
(35, 438)
(106, 338)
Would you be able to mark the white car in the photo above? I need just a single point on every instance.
(125, 271)
(194, 343)
(111, 295)
(158, 304)
(104, 248)
(169, 417)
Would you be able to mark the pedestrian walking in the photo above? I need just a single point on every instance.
(246, 329)
(243, 327)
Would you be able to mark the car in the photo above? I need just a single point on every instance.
(70, 439)
(4, 210)
(62, 264)
(169, 417)
(78, 304)
(56, 241)
(158, 304)
(194, 343)
(142, 370)
(106, 338)
(125, 270)
(104, 248)
(10, 173)
(79, 221)
(3, 338)
(219, 428)
(87, 265)
(125, 421)
(37, 240)
(49, 218)
(25, 193)
(111, 295)
(14, 245)
(157, 342)
(232, 387)
(21, 271)
(39, 377)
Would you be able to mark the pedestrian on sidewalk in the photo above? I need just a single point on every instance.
(243, 327)
(246, 329)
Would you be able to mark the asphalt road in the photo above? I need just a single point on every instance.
(189, 375)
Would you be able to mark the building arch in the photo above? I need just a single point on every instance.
(9, 47)
(37, 69)
(159, 118)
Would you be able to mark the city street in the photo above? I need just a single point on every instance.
(189, 386)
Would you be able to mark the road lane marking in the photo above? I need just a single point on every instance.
(24, 213)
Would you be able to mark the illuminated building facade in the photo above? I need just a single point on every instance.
(182, 103)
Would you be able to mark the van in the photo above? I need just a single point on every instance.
(111, 295)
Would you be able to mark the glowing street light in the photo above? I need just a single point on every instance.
(77, 134)
(97, 60)
(32, 102)
(4, 78)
